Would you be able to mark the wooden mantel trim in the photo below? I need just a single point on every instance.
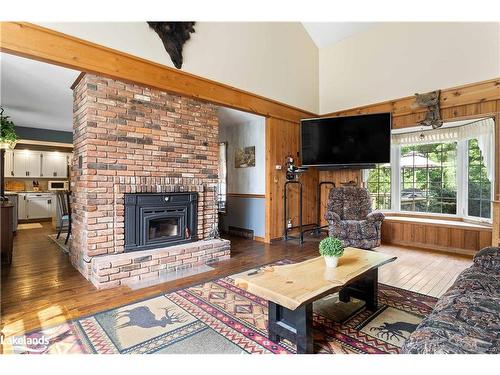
(39, 43)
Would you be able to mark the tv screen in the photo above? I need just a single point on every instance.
(346, 141)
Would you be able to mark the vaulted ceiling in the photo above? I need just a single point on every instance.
(325, 34)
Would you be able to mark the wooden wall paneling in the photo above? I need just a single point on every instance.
(436, 237)
(387, 233)
(269, 211)
(457, 238)
(408, 233)
(283, 139)
(431, 233)
(488, 107)
(310, 183)
(443, 237)
(484, 240)
(495, 239)
(471, 240)
(419, 233)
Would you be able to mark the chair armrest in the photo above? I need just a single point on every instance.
(332, 216)
(375, 216)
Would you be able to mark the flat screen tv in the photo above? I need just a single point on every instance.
(346, 142)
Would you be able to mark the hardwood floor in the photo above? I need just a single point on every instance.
(41, 288)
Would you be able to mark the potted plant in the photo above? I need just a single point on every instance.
(331, 249)
(8, 139)
(8, 135)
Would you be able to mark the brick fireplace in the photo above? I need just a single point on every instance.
(131, 142)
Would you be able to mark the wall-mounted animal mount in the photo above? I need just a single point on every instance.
(430, 101)
(173, 35)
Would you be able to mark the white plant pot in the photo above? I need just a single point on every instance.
(331, 262)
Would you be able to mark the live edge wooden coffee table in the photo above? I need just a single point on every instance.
(292, 289)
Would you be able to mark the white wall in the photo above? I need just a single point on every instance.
(394, 60)
(250, 180)
(276, 60)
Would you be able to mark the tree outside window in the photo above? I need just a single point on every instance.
(428, 178)
(379, 186)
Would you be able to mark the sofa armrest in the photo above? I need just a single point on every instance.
(488, 258)
(332, 216)
(375, 216)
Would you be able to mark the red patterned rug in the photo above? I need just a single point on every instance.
(218, 317)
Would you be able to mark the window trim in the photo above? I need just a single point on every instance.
(462, 174)
(466, 216)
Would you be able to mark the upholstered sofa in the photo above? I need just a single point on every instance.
(466, 319)
(350, 217)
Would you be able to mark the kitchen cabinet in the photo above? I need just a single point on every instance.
(35, 205)
(9, 165)
(27, 163)
(39, 206)
(55, 164)
(21, 206)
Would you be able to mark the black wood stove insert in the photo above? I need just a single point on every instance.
(154, 220)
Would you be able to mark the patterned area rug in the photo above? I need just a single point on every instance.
(218, 317)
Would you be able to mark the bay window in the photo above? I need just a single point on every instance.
(447, 171)
(428, 178)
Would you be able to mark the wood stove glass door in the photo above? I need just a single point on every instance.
(164, 227)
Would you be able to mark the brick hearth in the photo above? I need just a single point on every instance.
(132, 139)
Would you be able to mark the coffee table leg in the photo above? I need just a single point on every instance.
(365, 289)
(304, 325)
(372, 290)
(273, 316)
(294, 325)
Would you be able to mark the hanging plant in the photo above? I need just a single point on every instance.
(8, 137)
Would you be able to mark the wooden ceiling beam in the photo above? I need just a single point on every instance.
(39, 43)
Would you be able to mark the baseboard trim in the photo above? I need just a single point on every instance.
(239, 195)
